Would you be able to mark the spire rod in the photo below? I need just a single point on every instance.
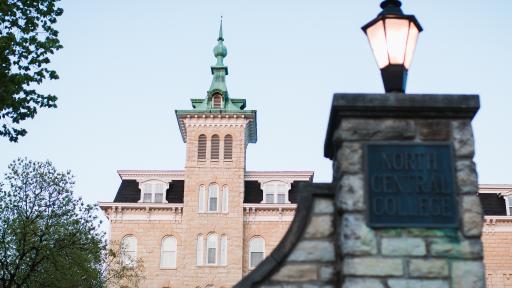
(221, 38)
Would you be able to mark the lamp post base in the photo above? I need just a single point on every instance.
(394, 78)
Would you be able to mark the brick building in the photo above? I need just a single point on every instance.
(211, 223)
(497, 234)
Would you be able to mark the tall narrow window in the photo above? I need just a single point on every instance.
(217, 101)
(215, 147)
(211, 246)
(228, 147)
(168, 252)
(199, 250)
(223, 250)
(256, 251)
(129, 250)
(201, 147)
(225, 198)
(201, 197)
(213, 197)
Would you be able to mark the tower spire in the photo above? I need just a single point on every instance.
(219, 70)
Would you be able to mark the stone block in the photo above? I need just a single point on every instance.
(313, 250)
(403, 246)
(350, 158)
(356, 238)
(362, 283)
(296, 273)
(323, 205)
(410, 283)
(373, 266)
(434, 130)
(466, 249)
(354, 129)
(467, 178)
(320, 226)
(351, 193)
(468, 274)
(326, 273)
(472, 216)
(428, 232)
(463, 138)
(428, 268)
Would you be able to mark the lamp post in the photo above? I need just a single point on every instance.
(392, 36)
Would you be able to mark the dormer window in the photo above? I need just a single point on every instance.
(275, 192)
(153, 191)
(217, 101)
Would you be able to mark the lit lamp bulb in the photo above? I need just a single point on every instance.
(392, 36)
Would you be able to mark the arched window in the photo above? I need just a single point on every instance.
(215, 147)
(129, 250)
(153, 191)
(201, 196)
(201, 147)
(217, 101)
(228, 147)
(168, 252)
(213, 197)
(199, 250)
(223, 250)
(211, 248)
(256, 251)
(225, 198)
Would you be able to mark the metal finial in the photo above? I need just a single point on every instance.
(220, 31)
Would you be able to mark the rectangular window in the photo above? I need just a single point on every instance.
(213, 204)
(281, 198)
(225, 196)
(256, 258)
(159, 197)
(211, 255)
(269, 198)
(147, 197)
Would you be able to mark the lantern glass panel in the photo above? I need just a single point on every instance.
(396, 38)
(411, 44)
(377, 39)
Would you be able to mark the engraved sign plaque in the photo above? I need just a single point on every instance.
(410, 185)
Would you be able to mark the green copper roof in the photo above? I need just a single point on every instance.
(219, 88)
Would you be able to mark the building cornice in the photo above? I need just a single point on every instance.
(264, 176)
(146, 174)
(500, 189)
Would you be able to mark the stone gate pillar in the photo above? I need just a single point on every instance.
(407, 209)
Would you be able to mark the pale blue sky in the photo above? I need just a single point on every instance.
(127, 65)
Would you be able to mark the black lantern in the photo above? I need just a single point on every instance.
(392, 36)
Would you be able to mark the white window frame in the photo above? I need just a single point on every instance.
(201, 198)
(152, 183)
(129, 253)
(173, 248)
(225, 199)
(215, 240)
(223, 261)
(210, 192)
(200, 250)
(252, 249)
(508, 201)
(274, 188)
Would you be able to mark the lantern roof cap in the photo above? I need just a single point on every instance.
(391, 9)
